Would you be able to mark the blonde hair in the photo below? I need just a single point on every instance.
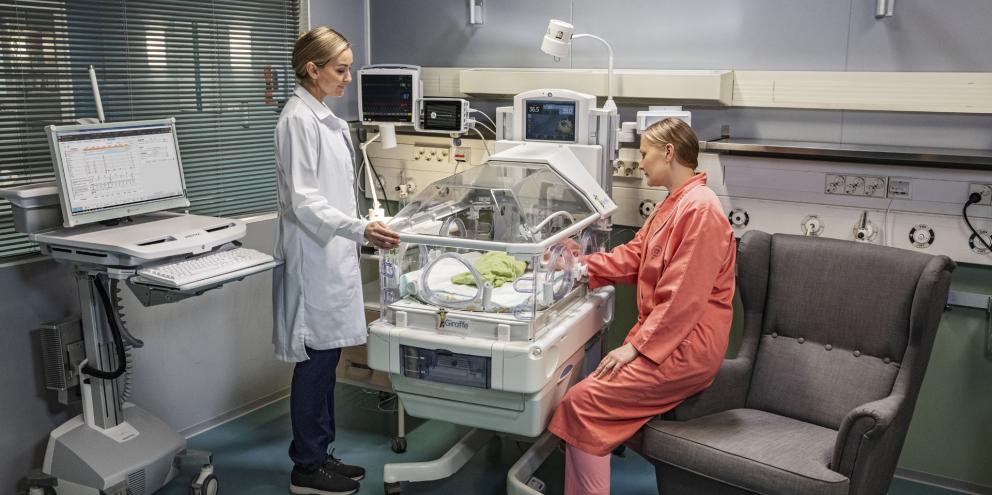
(318, 45)
(677, 133)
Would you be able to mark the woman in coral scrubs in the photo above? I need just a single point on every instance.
(682, 262)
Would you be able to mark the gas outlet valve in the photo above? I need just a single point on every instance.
(738, 218)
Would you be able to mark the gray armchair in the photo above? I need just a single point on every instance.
(836, 340)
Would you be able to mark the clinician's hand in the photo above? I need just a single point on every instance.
(616, 359)
(570, 245)
(380, 236)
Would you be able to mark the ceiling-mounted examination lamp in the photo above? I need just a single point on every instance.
(557, 40)
(884, 8)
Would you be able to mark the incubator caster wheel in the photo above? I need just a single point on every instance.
(204, 483)
(392, 488)
(399, 445)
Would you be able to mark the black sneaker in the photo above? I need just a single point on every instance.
(334, 464)
(321, 481)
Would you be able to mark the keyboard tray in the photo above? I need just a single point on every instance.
(152, 293)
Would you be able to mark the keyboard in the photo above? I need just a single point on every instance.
(191, 270)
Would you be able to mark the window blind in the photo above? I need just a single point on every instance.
(220, 67)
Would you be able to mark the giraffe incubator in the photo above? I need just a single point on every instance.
(483, 323)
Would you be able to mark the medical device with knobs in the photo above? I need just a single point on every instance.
(497, 357)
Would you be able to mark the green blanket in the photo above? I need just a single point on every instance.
(495, 267)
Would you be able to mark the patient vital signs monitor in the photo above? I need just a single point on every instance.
(109, 171)
(550, 121)
(553, 115)
(387, 94)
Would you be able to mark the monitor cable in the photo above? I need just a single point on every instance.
(486, 115)
(485, 144)
(115, 332)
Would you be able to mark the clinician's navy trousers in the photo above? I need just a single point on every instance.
(311, 407)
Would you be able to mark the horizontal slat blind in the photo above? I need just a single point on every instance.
(221, 67)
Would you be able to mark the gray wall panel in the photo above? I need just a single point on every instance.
(924, 35)
(768, 123)
(348, 18)
(714, 34)
(30, 294)
(919, 129)
(436, 33)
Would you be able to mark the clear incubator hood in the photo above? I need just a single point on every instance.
(500, 238)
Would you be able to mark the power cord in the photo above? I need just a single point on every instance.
(974, 198)
(368, 163)
(485, 143)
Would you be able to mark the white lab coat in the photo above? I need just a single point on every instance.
(317, 292)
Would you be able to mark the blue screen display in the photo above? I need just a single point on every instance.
(548, 120)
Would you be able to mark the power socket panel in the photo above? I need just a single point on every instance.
(856, 185)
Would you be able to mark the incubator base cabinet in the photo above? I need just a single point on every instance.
(500, 385)
(483, 323)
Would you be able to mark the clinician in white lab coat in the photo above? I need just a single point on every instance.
(317, 293)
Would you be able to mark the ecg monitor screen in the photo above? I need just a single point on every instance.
(387, 98)
(114, 167)
(550, 120)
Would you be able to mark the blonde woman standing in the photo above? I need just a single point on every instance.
(682, 263)
(317, 294)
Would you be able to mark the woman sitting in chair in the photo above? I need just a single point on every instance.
(682, 262)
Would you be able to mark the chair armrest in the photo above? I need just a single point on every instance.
(728, 391)
(861, 431)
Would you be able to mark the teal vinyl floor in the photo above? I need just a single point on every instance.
(250, 454)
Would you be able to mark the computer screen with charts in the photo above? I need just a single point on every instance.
(108, 171)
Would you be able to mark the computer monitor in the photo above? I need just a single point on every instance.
(550, 121)
(552, 115)
(110, 171)
(388, 94)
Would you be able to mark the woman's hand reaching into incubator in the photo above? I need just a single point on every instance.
(568, 244)
(380, 236)
(616, 359)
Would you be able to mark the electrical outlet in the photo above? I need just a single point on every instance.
(984, 189)
(430, 153)
(834, 184)
(854, 185)
(626, 169)
(876, 187)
